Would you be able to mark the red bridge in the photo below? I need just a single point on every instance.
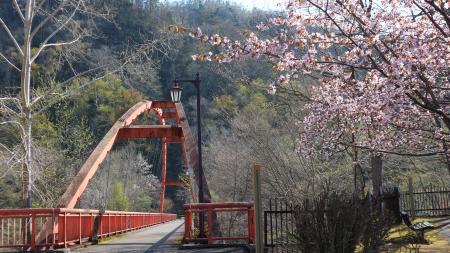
(31, 229)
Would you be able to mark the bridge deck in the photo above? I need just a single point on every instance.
(156, 239)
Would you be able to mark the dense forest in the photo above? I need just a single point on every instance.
(129, 54)
(120, 52)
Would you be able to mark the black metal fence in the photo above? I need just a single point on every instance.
(279, 226)
(430, 201)
(279, 221)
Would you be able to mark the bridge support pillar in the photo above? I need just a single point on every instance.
(163, 174)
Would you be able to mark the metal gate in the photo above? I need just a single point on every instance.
(279, 226)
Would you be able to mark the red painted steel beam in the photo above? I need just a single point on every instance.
(122, 129)
(163, 104)
(218, 205)
(87, 171)
(163, 176)
(150, 131)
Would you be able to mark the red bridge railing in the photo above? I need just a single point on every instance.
(25, 228)
(242, 211)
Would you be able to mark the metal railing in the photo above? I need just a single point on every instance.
(36, 228)
(279, 225)
(430, 201)
(213, 234)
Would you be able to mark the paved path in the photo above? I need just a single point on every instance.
(442, 240)
(156, 239)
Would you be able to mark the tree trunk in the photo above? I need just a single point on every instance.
(376, 161)
(25, 97)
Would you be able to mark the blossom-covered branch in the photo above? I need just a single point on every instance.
(383, 67)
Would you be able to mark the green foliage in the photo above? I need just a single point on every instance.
(83, 110)
(141, 202)
(119, 201)
(44, 131)
(245, 97)
(75, 138)
(104, 101)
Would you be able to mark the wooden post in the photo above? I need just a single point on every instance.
(258, 207)
(412, 210)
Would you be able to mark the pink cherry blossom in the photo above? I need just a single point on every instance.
(383, 68)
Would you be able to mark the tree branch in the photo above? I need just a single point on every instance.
(44, 44)
(53, 44)
(431, 19)
(13, 122)
(16, 5)
(11, 36)
(48, 18)
(441, 11)
(9, 62)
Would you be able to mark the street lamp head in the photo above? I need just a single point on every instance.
(175, 92)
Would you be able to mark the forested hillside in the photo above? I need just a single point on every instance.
(127, 51)
(128, 54)
(345, 106)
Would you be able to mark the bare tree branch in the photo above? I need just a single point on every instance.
(9, 62)
(44, 44)
(13, 122)
(16, 5)
(6, 148)
(11, 36)
(54, 44)
(48, 18)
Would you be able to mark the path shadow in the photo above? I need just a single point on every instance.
(164, 245)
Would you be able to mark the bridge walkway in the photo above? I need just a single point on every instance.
(163, 238)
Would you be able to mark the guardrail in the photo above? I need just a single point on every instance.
(192, 210)
(35, 228)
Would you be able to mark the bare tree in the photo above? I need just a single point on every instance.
(58, 25)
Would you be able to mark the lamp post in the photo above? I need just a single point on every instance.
(175, 93)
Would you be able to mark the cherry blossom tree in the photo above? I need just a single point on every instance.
(383, 68)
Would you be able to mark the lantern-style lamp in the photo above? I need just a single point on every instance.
(175, 92)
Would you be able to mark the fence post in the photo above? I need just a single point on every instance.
(79, 228)
(396, 203)
(251, 225)
(65, 230)
(412, 209)
(210, 226)
(258, 207)
(187, 225)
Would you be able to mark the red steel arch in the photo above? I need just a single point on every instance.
(179, 132)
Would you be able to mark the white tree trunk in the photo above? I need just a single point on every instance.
(25, 98)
